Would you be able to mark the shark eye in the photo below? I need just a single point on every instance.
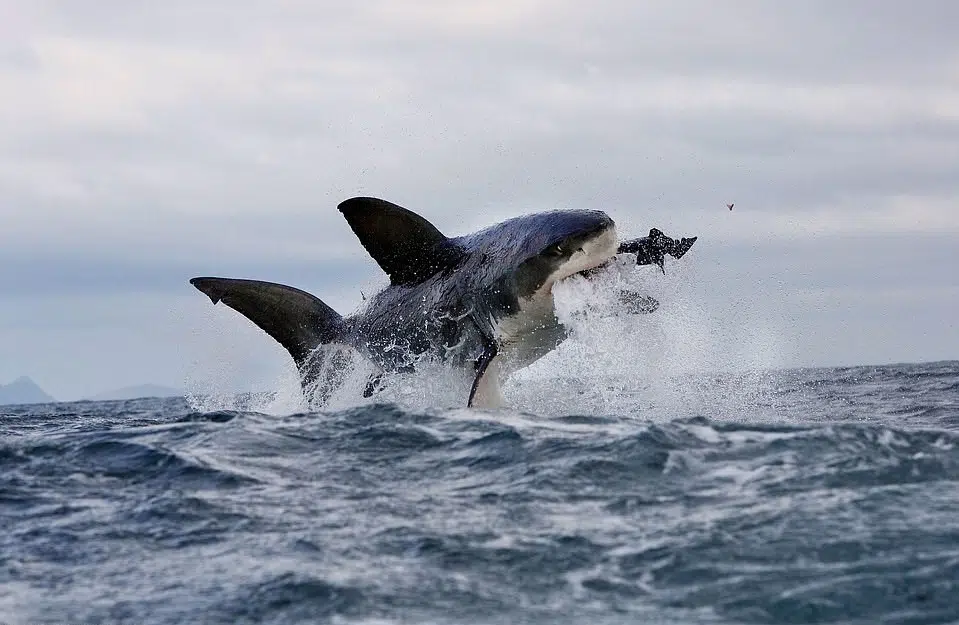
(555, 250)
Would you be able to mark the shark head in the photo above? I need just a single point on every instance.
(559, 244)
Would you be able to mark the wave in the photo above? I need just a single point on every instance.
(816, 500)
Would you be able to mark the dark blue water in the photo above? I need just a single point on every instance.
(828, 496)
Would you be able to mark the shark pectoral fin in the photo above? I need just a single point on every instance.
(406, 246)
(485, 390)
(297, 320)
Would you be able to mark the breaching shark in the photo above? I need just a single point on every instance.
(483, 301)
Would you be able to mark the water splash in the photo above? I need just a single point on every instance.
(683, 359)
(680, 360)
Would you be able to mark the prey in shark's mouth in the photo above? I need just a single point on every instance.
(482, 301)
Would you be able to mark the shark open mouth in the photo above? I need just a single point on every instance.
(594, 252)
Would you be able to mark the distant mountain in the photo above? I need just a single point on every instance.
(23, 390)
(141, 390)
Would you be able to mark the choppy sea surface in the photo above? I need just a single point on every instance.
(805, 496)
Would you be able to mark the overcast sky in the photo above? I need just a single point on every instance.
(144, 143)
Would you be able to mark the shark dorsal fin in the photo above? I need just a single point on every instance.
(406, 246)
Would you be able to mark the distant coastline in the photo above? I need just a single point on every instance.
(138, 391)
(23, 390)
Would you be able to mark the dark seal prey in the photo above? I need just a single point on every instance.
(482, 301)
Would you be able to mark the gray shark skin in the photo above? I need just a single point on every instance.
(482, 301)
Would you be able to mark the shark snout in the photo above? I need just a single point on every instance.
(592, 249)
(601, 222)
(600, 229)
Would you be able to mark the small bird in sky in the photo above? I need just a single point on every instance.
(730, 206)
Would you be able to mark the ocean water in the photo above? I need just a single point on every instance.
(653, 469)
(807, 496)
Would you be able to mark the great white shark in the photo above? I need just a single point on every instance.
(482, 301)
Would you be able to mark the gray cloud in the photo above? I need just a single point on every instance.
(146, 143)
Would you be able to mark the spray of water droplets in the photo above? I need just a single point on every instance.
(681, 359)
